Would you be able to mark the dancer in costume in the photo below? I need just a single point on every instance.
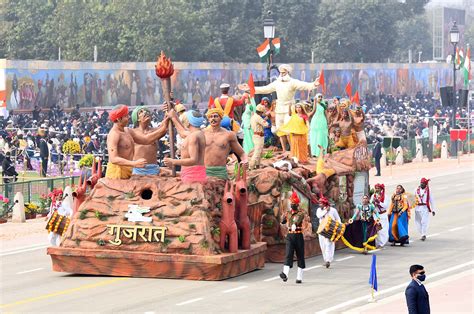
(62, 207)
(248, 133)
(258, 123)
(368, 217)
(424, 206)
(294, 239)
(381, 204)
(141, 118)
(285, 87)
(192, 149)
(219, 143)
(297, 128)
(318, 135)
(399, 214)
(121, 144)
(327, 246)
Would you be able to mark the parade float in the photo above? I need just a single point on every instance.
(156, 226)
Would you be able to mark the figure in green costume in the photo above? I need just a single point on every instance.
(318, 134)
(248, 132)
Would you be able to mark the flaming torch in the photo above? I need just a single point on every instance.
(164, 69)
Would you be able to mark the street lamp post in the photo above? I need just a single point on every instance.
(454, 40)
(269, 33)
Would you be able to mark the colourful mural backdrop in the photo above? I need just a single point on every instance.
(30, 83)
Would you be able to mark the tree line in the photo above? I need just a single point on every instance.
(213, 30)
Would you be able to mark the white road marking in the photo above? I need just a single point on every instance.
(312, 267)
(271, 279)
(382, 292)
(29, 271)
(433, 235)
(28, 249)
(344, 258)
(235, 289)
(455, 229)
(459, 184)
(189, 301)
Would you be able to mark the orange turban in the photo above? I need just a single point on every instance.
(323, 201)
(211, 111)
(118, 112)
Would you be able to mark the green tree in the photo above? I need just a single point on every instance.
(469, 36)
(24, 37)
(295, 24)
(208, 30)
(355, 31)
(413, 33)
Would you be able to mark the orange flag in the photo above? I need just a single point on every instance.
(210, 103)
(356, 98)
(349, 90)
(251, 85)
(321, 80)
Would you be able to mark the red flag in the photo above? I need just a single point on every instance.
(349, 90)
(321, 80)
(251, 85)
(210, 103)
(356, 98)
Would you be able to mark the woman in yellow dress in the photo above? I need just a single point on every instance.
(297, 128)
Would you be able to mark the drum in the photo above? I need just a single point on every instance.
(58, 223)
(331, 229)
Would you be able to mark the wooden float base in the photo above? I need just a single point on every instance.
(157, 265)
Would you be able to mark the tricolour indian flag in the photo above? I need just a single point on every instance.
(264, 49)
(276, 43)
(466, 69)
(457, 58)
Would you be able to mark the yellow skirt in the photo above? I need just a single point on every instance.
(118, 172)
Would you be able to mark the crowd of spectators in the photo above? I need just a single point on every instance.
(408, 117)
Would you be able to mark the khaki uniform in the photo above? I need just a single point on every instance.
(257, 124)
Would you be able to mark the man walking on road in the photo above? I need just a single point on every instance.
(424, 206)
(294, 239)
(327, 246)
(417, 297)
(377, 154)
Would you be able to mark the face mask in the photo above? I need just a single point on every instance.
(421, 277)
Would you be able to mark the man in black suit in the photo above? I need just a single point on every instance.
(44, 152)
(418, 300)
(377, 154)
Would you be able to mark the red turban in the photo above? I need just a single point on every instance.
(380, 186)
(294, 199)
(323, 201)
(118, 112)
(424, 180)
